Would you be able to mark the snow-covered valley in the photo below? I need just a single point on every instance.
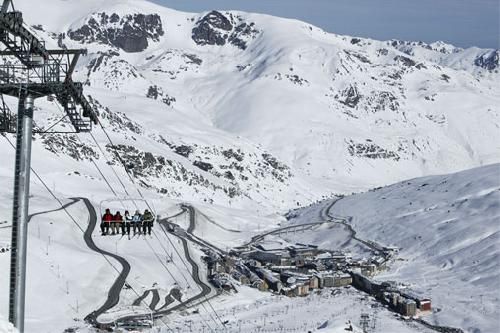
(246, 117)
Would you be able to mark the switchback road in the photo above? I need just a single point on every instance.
(115, 290)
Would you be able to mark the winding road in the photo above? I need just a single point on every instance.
(114, 292)
(69, 204)
(117, 286)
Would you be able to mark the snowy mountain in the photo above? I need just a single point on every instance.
(251, 110)
(447, 230)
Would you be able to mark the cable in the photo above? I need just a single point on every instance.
(170, 273)
(123, 185)
(142, 196)
(76, 223)
(46, 131)
(109, 163)
(161, 262)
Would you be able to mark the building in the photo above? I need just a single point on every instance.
(368, 270)
(395, 299)
(424, 305)
(240, 277)
(272, 282)
(303, 251)
(408, 307)
(313, 282)
(342, 280)
(328, 280)
(229, 263)
(289, 291)
(219, 268)
(379, 261)
(364, 283)
(260, 285)
(302, 290)
(277, 258)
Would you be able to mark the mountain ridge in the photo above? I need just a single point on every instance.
(330, 110)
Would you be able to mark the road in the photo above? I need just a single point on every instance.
(115, 289)
(73, 201)
(327, 218)
(345, 221)
(324, 215)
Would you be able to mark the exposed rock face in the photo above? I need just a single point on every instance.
(212, 29)
(69, 145)
(381, 101)
(149, 168)
(155, 92)
(217, 29)
(203, 165)
(488, 60)
(369, 149)
(405, 61)
(129, 33)
(350, 96)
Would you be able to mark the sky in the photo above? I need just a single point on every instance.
(463, 23)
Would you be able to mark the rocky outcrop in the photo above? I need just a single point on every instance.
(405, 61)
(150, 169)
(381, 101)
(488, 60)
(350, 96)
(69, 145)
(212, 29)
(130, 33)
(155, 92)
(371, 150)
(216, 29)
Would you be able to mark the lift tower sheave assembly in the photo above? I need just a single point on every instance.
(34, 71)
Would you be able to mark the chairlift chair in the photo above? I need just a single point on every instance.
(133, 205)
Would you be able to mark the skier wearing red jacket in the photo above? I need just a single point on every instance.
(117, 224)
(107, 219)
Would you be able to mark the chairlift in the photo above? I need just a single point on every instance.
(125, 204)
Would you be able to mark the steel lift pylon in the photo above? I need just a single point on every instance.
(35, 72)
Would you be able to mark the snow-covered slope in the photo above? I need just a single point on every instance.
(6, 327)
(448, 231)
(246, 115)
(244, 109)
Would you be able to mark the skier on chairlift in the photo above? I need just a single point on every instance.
(117, 223)
(137, 222)
(128, 221)
(148, 222)
(107, 218)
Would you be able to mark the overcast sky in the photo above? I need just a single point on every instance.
(460, 22)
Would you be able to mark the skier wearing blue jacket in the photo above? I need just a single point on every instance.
(137, 222)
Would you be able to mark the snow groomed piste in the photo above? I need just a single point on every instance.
(131, 321)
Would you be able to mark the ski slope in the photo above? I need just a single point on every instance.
(447, 229)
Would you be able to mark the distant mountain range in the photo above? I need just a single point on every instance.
(251, 110)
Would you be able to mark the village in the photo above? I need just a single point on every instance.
(300, 269)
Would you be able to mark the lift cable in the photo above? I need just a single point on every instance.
(142, 196)
(78, 225)
(109, 163)
(166, 252)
